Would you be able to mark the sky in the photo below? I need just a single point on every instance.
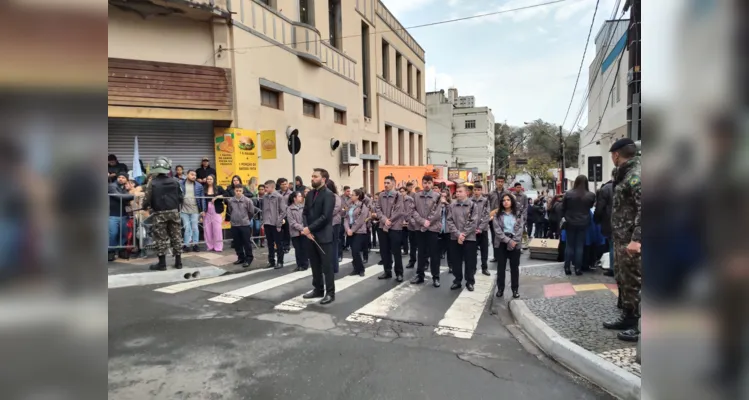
(521, 64)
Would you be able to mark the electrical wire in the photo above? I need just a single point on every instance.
(582, 61)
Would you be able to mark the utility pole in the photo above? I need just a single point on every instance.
(563, 184)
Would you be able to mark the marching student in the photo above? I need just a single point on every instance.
(391, 210)
(273, 211)
(285, 191)
(508, 224)
(355, 225)
(409, 246)
(482, 230)
(295, 219)
(462, 219)
(409, 232)
(239, 214)
(444, 242)
(338, 212)
(426, 222)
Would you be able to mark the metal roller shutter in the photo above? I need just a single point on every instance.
(185, 142)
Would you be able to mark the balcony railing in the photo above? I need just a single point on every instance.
(306, 41)
(398, 96)
(399, 30)
(367, 9)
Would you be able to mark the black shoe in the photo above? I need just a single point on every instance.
(312, 294)
(630, 335)
(417, 280)
(455, 286)
(178, 261)
(500, 292)
(380, 262)
(608, 272)
(485, 271)
(160, 266)
(410, 265)
(436, 282)
(449, 270)
(567, 270)
(365, 260)
(286, 251)
(195, 248)
(270, 265)
(329, 298)
(626, 321)
(493, 260)
(110, 257)
(469, 286)
(361, 273)
(399, 278)
(354, 273)
(238, 262)
(246, 264)
(578, 271)
(340, 259)
(278, 266)
(515, 294)
(385, 275)
(185, 249)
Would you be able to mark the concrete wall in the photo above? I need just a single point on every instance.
(474, 147)
(439, 129)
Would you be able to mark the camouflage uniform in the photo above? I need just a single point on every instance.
(167, 226)
(626, 228)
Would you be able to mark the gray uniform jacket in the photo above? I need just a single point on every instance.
(273, 209)
(407, 223)
(499, 229)
(295, 219)
(337, 211)
(462, 218)
(241, 211)
(482, 203)
(361, 212)
(495, 197)
(391, 205)
(427, 207)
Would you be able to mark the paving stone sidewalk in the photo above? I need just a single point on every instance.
(575, 307)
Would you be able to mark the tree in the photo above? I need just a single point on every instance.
(508, 141)
(572, 149)
(538, 168)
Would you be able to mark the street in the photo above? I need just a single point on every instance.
(249, 336)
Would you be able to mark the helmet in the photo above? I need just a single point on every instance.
(161, 165)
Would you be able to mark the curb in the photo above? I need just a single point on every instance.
(615, 380)
(168, 276)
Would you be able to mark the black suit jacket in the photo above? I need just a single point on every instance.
(318, 212)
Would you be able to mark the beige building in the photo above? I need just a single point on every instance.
(336, 70)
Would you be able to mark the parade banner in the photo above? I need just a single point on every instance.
(268, 145)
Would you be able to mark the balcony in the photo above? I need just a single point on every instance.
(193, 9)
(399, 30)
(306, 42)
(398, 96)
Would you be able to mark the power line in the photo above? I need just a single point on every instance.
(442, 22)
(582, 61)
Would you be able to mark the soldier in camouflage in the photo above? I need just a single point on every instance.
(164, 197)
(626, 232)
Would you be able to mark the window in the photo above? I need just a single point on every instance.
(470, 124)
(269, 3)
(309, 108)
(411, 148)
(307, 12)
(270, 98)
(398, 72)
(334, 23)
(409, 79)
(418, 85)
(401, 143)
(388, 144)
(421, 149)
(367, 99)
(339, 117)
(385, 60)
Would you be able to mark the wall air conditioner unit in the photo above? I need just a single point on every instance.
(349, 155)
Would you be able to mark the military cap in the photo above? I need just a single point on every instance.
(620, 143)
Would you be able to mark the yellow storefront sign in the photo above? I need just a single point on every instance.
(236, 154)
(268, 145)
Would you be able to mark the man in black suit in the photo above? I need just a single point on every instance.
(318, 214)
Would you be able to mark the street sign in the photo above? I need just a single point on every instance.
(295, 145)
(595, 169)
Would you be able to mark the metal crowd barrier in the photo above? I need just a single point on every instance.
(135, 225)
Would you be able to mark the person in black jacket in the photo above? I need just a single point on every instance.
(576, 206)
(119, 198)
(114, 167)
(602, 216)
(318, 212)
(555, 217)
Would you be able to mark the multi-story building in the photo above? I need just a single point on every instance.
(459, 137)
(345, 74)
(607, 104)
(466, 102)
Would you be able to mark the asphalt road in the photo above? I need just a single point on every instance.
(187, 345)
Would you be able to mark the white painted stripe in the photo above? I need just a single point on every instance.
(543, 265)
(462, 318)
(247, 291)
(181, 287)
(299, 303)
(387, 302)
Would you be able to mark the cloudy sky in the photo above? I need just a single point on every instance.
(521, 64)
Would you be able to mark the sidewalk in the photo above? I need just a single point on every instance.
(564, 315)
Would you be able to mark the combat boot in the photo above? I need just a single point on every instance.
(628, 320)
(630, 335)
(178, 261)
(161, 265)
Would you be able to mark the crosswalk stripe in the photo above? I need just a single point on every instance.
(389, 301)
(181, 287)
(299, 303)
(247, 291)
(462, 318)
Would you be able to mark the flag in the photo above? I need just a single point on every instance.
(137, 171)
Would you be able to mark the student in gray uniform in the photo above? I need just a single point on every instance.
(462, 220)
(295, 219)
(508, 225)
(273, 212)
(355, 225)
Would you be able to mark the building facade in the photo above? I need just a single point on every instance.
(439, 129)
(607, 103)
(345, 74)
